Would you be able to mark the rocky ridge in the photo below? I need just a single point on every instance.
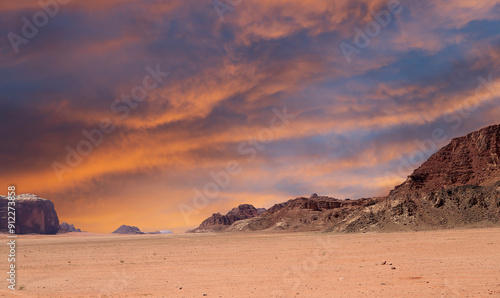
(458, 186)
(303, 214)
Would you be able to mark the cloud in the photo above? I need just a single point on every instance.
(354, 121)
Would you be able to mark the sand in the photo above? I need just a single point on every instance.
(447, 263)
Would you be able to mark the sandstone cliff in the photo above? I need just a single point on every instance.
(33, 215)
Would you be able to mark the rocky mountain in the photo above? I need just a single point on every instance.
(458, 186)
(124, 229)
(218, 222)
(33, 215)
(67, 228)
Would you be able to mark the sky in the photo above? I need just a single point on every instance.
(157, 114)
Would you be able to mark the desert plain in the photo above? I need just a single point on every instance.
(441, 263)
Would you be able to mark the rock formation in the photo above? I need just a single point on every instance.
(456, 187)
(218, 222)
(33, 215)
(303, 214)
(67, 228)
(124, 229)
(300, 214)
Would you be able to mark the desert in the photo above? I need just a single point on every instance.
(444, 263)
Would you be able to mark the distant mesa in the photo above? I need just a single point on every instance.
(67, 228)
(124, 229)
(458, 186)
(34, 215)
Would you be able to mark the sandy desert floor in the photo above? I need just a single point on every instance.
(451, 263)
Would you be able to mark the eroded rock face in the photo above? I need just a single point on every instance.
(33, 215)
(124, 229)
(218, 222)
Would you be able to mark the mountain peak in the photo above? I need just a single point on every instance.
(469, 160)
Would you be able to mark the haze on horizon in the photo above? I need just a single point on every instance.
(229, 75)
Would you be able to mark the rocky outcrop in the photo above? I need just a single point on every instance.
(303, 214)
(218, 222)
(124, 229)
(300, 214)
(33, 215)
(448, 207)
(67, 228)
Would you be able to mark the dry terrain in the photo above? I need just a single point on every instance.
(445, 263)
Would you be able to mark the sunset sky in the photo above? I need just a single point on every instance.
(356, 115)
